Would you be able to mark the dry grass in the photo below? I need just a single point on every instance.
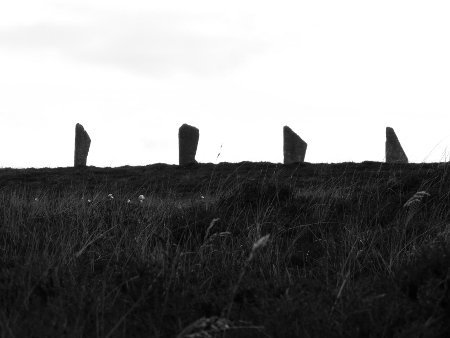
(338, 256)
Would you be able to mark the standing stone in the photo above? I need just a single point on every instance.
(82, 144)
(294, 148)
(187, 142)
(394, 150)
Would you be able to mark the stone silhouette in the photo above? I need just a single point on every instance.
(394, 150)
(82, 144)
(294, 148)
(187, 143)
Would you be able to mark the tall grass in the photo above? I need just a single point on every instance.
(347, 256)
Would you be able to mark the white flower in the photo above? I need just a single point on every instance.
(111, 196)
(128, 201)
(36, 199)
(89, 201)
(202, 197)
(141, 198)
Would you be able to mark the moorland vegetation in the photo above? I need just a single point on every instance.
(226, 250)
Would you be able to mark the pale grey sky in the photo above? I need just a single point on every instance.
(132, 72)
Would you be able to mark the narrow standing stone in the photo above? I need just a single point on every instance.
(82, 144)
(294, 148)
(394, 150)
(187, 143)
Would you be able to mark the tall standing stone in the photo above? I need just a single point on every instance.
(187, 142)
(82, 144)
(294, 148)
(394, 150)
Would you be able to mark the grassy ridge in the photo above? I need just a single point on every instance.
(344, 257)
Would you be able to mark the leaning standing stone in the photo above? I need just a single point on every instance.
(187, 142)
(394, 150)
(82, 144)
(294, 148)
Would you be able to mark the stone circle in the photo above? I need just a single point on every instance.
(187, 142)
(294, 148)
(82, 144)
(394, 150)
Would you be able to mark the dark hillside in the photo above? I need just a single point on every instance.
(233, 250)
(194, 178)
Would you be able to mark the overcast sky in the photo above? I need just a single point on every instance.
(132, 72)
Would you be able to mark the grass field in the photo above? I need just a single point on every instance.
(227, 250)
